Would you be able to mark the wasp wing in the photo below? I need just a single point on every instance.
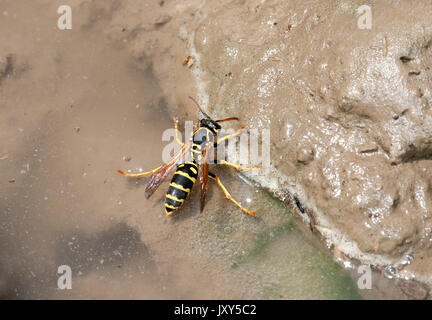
(204, 178)
(159, 176)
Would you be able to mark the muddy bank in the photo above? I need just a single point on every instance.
(348, 109)
(77, 105)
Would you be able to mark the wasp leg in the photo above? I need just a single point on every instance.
(239, 131)
(138, 175)
(228, 196)
(177, 131)
(239, 167)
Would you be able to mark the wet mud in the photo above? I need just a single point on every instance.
(348, 110)
(76, 105)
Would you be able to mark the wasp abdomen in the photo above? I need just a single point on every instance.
(180, 186)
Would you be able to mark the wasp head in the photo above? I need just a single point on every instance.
(210, 124)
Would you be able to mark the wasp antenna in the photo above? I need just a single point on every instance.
(199, 108)
(228, 119)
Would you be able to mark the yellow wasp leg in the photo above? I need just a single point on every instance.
(177, 131)
(138, 175)
(229, 197)
(239, 167)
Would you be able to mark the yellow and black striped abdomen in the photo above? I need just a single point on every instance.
(180, 186)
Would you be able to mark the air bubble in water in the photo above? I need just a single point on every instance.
(389, 272)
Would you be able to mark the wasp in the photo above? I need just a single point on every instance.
(203, 139)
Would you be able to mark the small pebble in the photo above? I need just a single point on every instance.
(162, 20)
(189, 61)
(304, 155)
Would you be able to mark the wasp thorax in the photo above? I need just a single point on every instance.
(210, 124)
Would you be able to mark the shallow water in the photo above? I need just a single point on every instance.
(73, 109)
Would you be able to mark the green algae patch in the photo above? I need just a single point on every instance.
(271, 254)
(289, 267)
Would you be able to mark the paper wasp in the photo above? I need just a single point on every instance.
(202, 140)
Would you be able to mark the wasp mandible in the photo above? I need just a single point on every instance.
(202, 140)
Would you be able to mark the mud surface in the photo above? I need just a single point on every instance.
(75, 106)
(349, 112)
